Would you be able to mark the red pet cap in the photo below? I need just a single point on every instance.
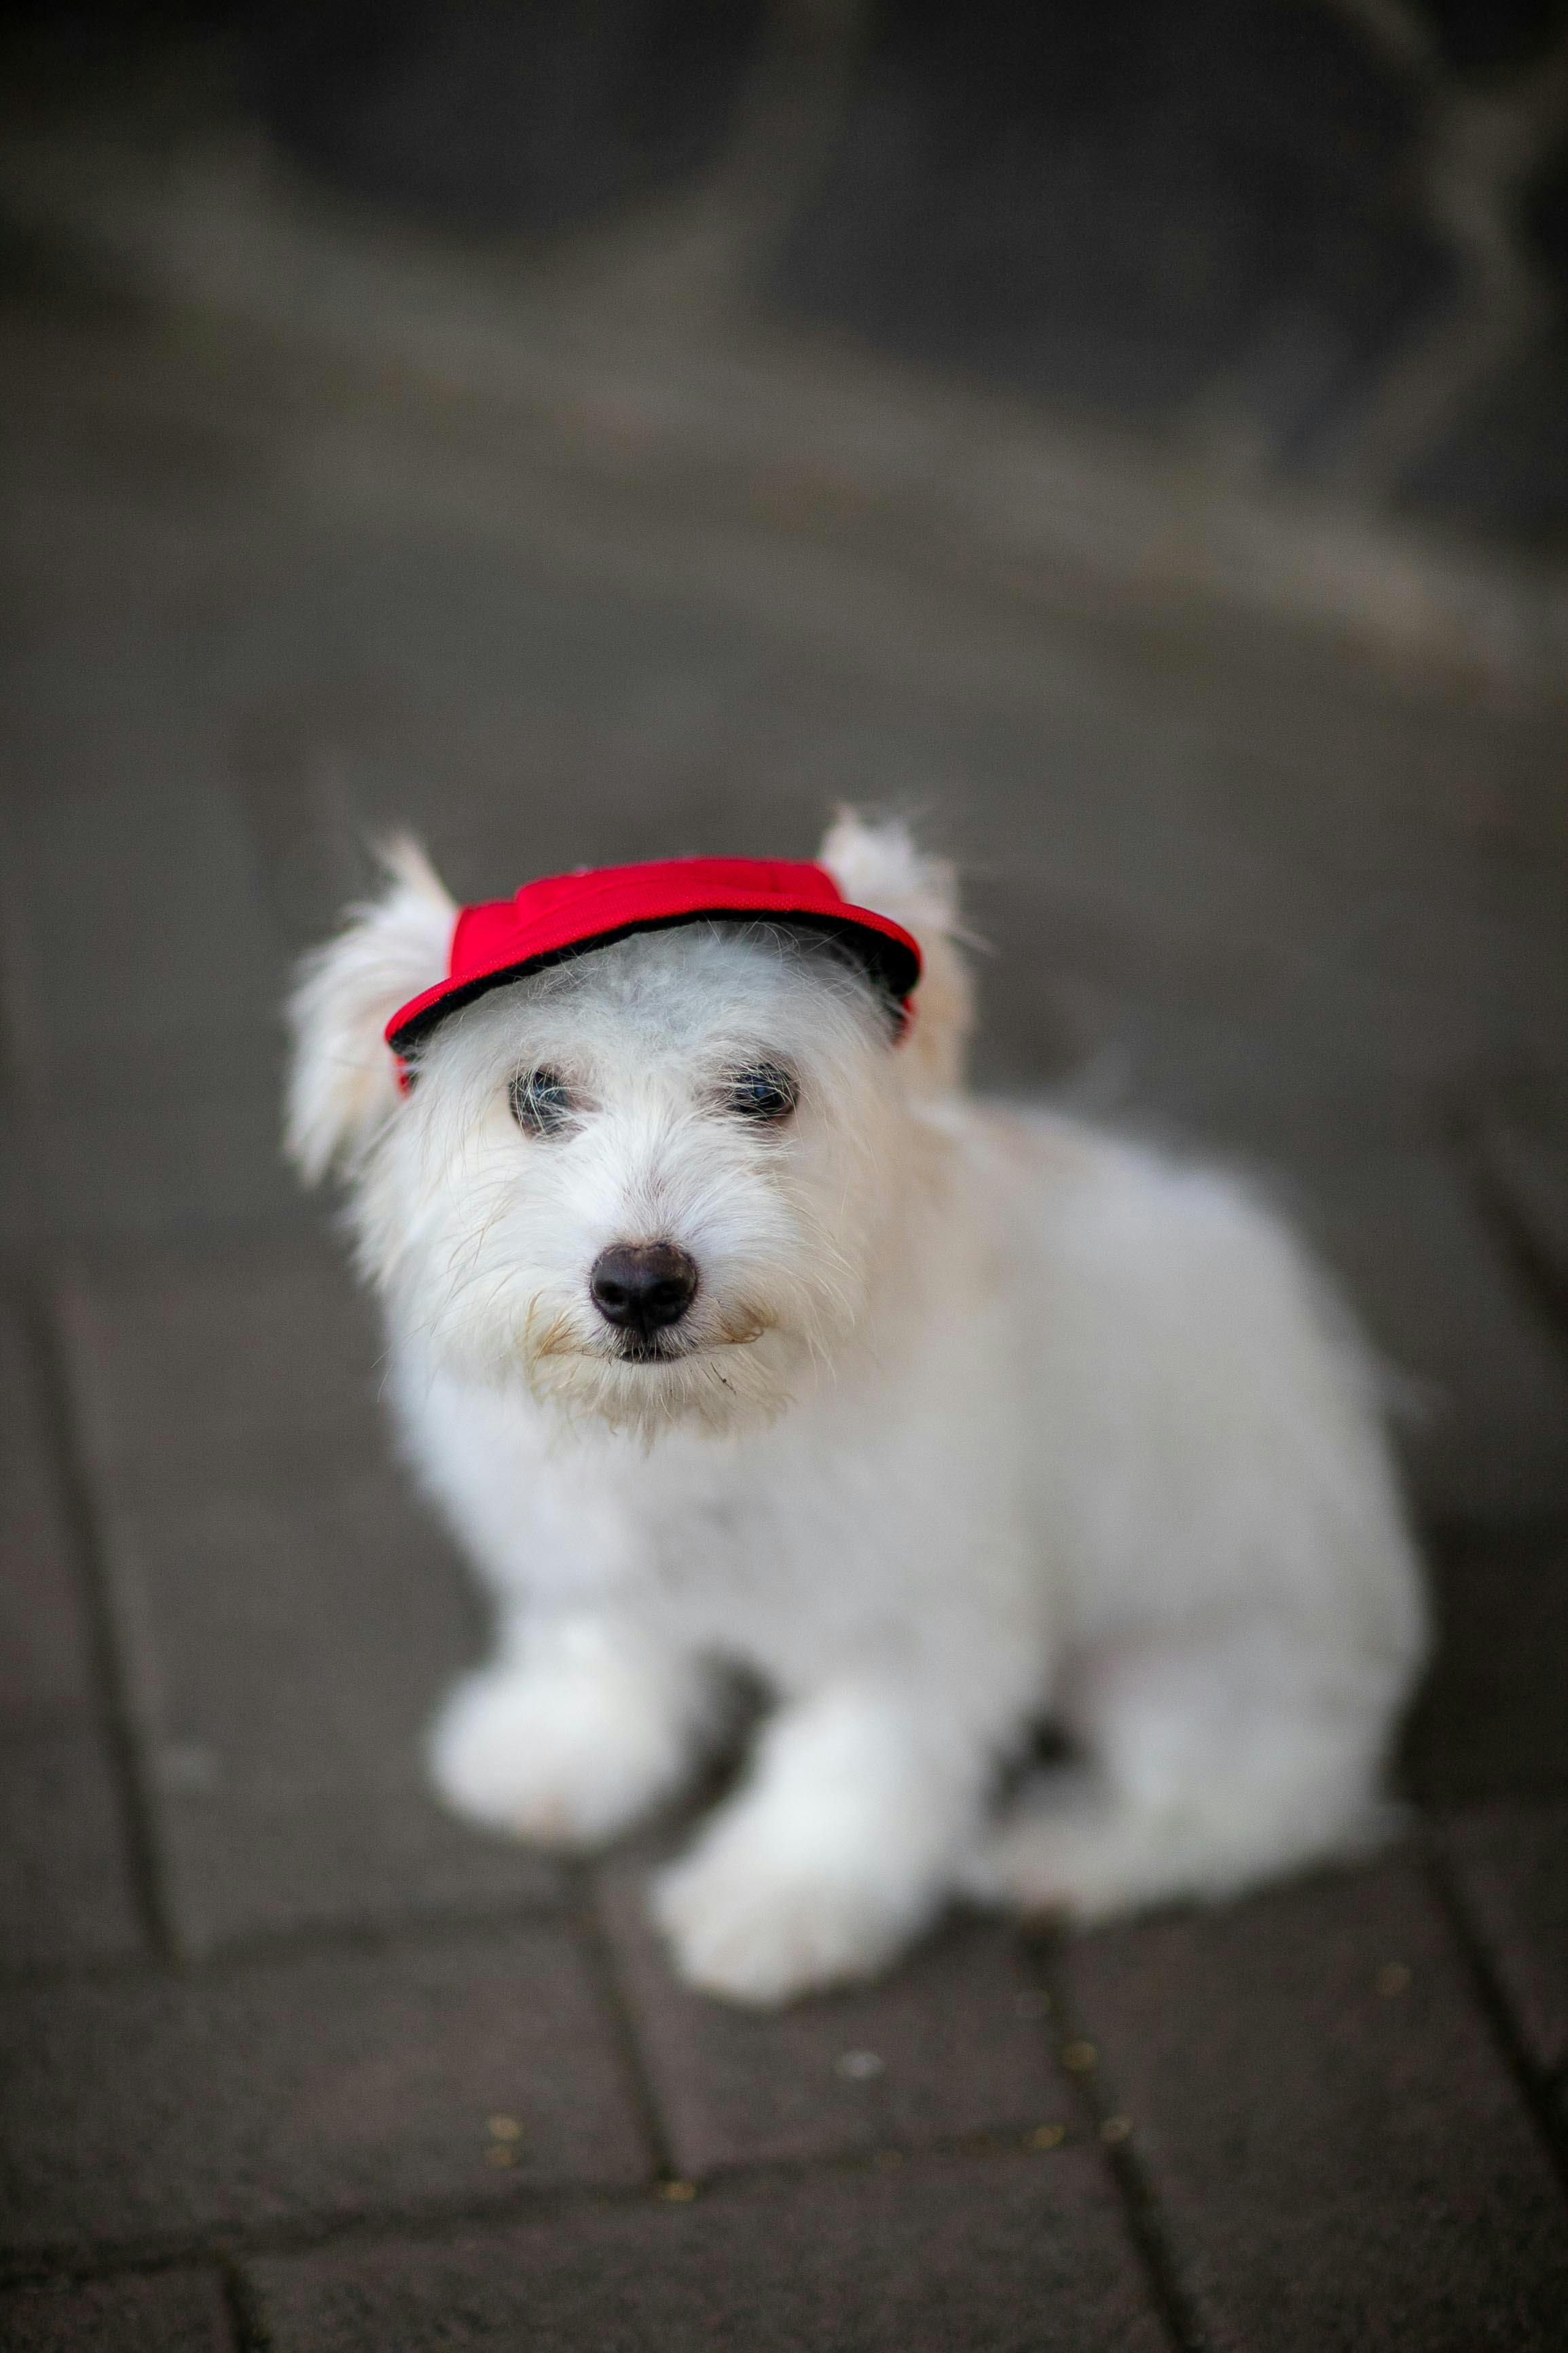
(566, 914)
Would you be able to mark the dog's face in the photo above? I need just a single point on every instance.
(651, 1184)
(648, 1182)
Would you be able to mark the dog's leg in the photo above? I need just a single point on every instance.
(1212, 1764)
(581, 1725)
(839, 1847)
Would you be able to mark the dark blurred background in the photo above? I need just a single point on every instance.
(1132, 438)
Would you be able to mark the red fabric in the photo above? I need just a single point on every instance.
(563, 915)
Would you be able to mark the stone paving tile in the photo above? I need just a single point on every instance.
(16, 1205)
(1486, 1437)
(141, 967)
(160, 2312)
(979, 2256)
(1510, 1864)
(65, 1891)
(1481, 40)
(1009, 198)
(290, 1649)
(1339, 2156)
(289, 1612)
(65, 1885)
(649, 107)
(952, 2042)
(44, 1659)
(233, 1364)
(1500, 472)
(132, 902)
(1523, 1139)
(160, 1140)
(316, 2087)
(1490, 1721)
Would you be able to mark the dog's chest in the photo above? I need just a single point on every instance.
(817, 1542)
(769, 1555)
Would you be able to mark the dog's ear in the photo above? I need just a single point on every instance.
(878, 866)
(341, 1080)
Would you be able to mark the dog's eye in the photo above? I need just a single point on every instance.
(539, 1103)
(765, 1093)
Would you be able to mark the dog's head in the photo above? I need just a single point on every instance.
(655, 1183)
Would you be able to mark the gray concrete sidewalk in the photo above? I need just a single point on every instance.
(293, 2061)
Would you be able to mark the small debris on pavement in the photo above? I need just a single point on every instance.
(858, 2066)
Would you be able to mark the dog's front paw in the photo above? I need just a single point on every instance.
(755, 1928)
(555, 1760)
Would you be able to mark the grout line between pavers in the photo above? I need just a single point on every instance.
(1543, 1280)
(1534, 2087)
(138, 1820)
(247, 2333)
(435, 2221)
(604, 1961)
(305, 1940)
(1141, 2207)
(247, 2326)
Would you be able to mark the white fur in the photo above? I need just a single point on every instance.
(985, 1414)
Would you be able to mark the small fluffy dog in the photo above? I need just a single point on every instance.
(729, 1332)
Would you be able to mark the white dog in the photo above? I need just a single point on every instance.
(728, 1330)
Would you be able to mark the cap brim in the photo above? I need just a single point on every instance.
(888, 956)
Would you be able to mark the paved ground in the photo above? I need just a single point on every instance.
(292, 2060)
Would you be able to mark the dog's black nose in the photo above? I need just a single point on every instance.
(643, 1286)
